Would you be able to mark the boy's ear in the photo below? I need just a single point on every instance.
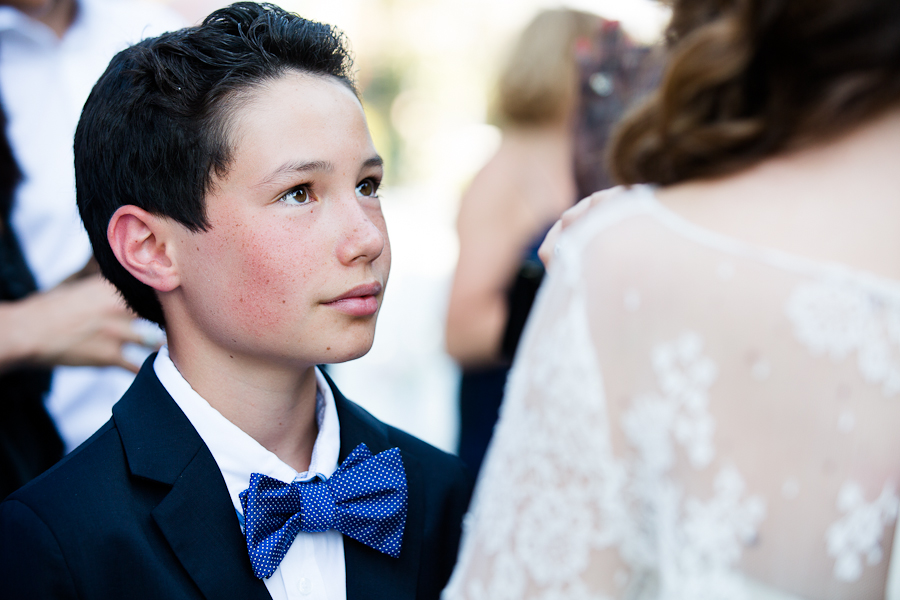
(142, 243)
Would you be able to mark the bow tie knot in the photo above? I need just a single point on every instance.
(365, 499)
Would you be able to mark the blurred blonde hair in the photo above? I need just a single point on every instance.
(538, 84)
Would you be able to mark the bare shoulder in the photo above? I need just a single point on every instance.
(835, 202)
(496, 184)
(529, 175)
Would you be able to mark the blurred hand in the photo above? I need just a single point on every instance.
(548, 248)
(83, 323)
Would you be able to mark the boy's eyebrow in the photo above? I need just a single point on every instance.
(312, 165)
(375, 161)
(295, 167)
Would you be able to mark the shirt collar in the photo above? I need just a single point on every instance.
(237, 454)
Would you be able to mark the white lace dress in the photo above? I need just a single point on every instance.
(692, 418)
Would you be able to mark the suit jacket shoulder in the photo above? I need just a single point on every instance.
(141, 511)
(138, 511)
(440, 487)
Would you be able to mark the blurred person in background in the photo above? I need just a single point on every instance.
(706, 401)
(54, 307)
(566, 81)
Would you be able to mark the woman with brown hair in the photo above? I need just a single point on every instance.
(706, 401)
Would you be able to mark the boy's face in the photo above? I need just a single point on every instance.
(293, 266)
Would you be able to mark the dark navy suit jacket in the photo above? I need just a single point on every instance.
(141, 511)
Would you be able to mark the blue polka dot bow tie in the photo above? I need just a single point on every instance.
(365, 499)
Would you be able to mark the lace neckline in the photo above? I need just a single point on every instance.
(644, 197)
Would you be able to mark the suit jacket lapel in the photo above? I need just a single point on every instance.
(372, 575)
(196, 517)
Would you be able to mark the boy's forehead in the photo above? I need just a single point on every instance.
(263, 96)
(292, 100)
(296, 122)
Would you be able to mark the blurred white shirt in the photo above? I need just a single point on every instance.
(44, 82)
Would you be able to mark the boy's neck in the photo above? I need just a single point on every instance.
(274, 406)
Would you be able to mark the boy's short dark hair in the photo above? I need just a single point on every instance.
(154, 130)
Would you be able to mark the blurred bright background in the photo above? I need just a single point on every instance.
(426, 69)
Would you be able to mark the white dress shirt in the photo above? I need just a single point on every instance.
(44, 81)
(313, 568)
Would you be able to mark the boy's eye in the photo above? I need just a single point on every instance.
(297, 196)
(367, 188)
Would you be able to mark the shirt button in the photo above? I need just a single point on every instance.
(305, 586)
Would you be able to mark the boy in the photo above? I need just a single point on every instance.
(226, 177)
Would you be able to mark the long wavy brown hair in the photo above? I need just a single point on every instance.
(746, 79)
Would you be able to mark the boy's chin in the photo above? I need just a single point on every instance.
(336, 356)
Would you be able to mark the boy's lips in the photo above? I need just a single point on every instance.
(360, 301)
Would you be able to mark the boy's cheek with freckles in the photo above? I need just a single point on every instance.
(258, 280)
(269, 288)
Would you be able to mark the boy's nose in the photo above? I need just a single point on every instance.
(361, 238)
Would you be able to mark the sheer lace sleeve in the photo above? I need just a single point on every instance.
(691, 418)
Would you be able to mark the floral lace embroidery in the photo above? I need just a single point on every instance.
(548, 476)
(684, 377)
(698, 545)
(540, 518)
(858, 534)
(627, 509)
(835, 317)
